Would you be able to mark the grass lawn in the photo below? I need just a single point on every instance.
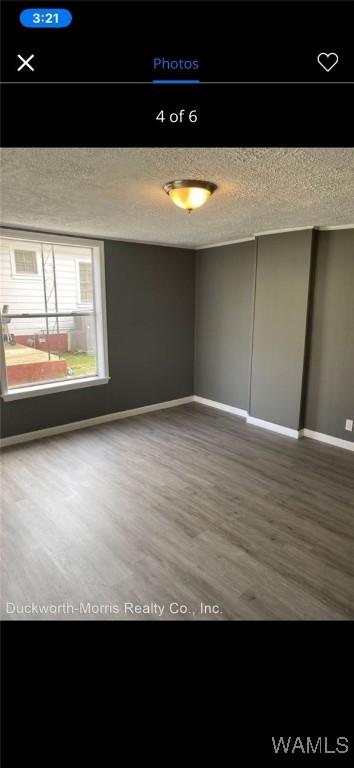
(80, 364)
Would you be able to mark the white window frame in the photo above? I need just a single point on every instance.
(25, 275)
(80, 302)
(99, 304)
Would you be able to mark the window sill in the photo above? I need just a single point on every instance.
(47, 389)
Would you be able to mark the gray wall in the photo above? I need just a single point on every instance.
(280, 321)
(330, 378)
(150, 309)
(150, 315)
(224, 310)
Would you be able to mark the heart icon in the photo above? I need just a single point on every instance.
(327, 60)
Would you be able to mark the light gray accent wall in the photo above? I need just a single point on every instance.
(150, 319)
(223, 327)
(280, 320)
(330, 377)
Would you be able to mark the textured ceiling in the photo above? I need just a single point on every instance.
(118, 192)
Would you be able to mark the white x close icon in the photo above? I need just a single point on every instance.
(25, 62)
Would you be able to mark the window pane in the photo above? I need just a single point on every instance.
(20, 291)
(29, 361)
(33, 274)
(78, 342)
(44, 279)
(26, 261)
(63, 350)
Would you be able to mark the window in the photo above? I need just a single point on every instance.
(25, 261)
(53, 329)
(85, 282)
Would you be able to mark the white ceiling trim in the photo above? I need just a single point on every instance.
(91, 237)
(228, 242)
(282, 231)
(6, 228)
(31, 235)
(273, 232)
(336, 226)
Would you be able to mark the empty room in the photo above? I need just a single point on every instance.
(177, 377)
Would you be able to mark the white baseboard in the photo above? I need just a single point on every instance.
(274, 427)
(220, 406)
(73, 425)
(250, 419)
(329, 439)
(84, 423)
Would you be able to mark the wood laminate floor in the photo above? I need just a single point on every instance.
(176, 509)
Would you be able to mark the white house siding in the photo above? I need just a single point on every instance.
(24, 293)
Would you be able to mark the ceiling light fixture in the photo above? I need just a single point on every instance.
(189, 193)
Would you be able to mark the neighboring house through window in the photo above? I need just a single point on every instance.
(53, 313)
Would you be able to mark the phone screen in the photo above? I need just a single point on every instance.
(177, 375)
